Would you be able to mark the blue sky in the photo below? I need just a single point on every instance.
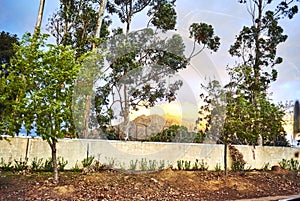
(227, 17)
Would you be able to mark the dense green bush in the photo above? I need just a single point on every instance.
(176, 133)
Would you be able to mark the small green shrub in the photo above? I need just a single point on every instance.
(37, 164)
(6, 166)
(218, 167)
(294, 165)
(187, 165)
(266, 166)
(180, 164)
(143, 164)
(152, 165)
(203, 166)
(21, 164)
(61, 163)
(133, 165)
(87, 162)
(291, 164)
(75, 168)
(161, 165)
(48, 165)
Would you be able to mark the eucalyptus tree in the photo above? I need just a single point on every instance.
(82, 25)
(78, 23)
(250, 113)
(142, 65)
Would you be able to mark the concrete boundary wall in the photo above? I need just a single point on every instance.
(121, 153)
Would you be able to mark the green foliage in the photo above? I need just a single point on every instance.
(87, 161)
(7, 50)
(250, 113)
(212, 113)
(176, 133)
(6, 166)
(37, 164)
(246, 122)
(291, 164)
(180, 164)
(230, 117)
(133, 165)
(145, 80)
(21, 164)
(152, 165)
(76, 168)
(48, 165)
(74, 24)
(143, 164)
(187, 165)
(42, 79)
(161, 165)
(218, 167)
(61, 163)
(266, 166)
(203, 34)
(163, 14)
(202, 166)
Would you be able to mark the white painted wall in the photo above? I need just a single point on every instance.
(124, 152)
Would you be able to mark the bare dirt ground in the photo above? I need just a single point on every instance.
(163, 185)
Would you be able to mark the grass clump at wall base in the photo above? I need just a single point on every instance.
(37, 164)
(87, 162)
(291, 164)
(6, 166)
(61, 163)
(187, 165)
(21, 164)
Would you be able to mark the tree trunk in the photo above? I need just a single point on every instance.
(256, 67)
(40, 15)
(99, 22)
(87, 109)
(54, 160)
(225, 159)
(88, 100)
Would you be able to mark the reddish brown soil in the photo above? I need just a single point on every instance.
(164, 185)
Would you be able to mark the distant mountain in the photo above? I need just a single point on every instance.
(143, 126)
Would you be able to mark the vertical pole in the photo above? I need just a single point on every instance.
(27, 149)
(225, 159)
(296, 119)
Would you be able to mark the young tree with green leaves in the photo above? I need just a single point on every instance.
(41, 78)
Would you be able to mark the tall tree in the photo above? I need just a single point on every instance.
(256, 51)
(256, 46)
(143, 61)
(82, 25)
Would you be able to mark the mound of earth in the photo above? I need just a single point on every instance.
(163, 185)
